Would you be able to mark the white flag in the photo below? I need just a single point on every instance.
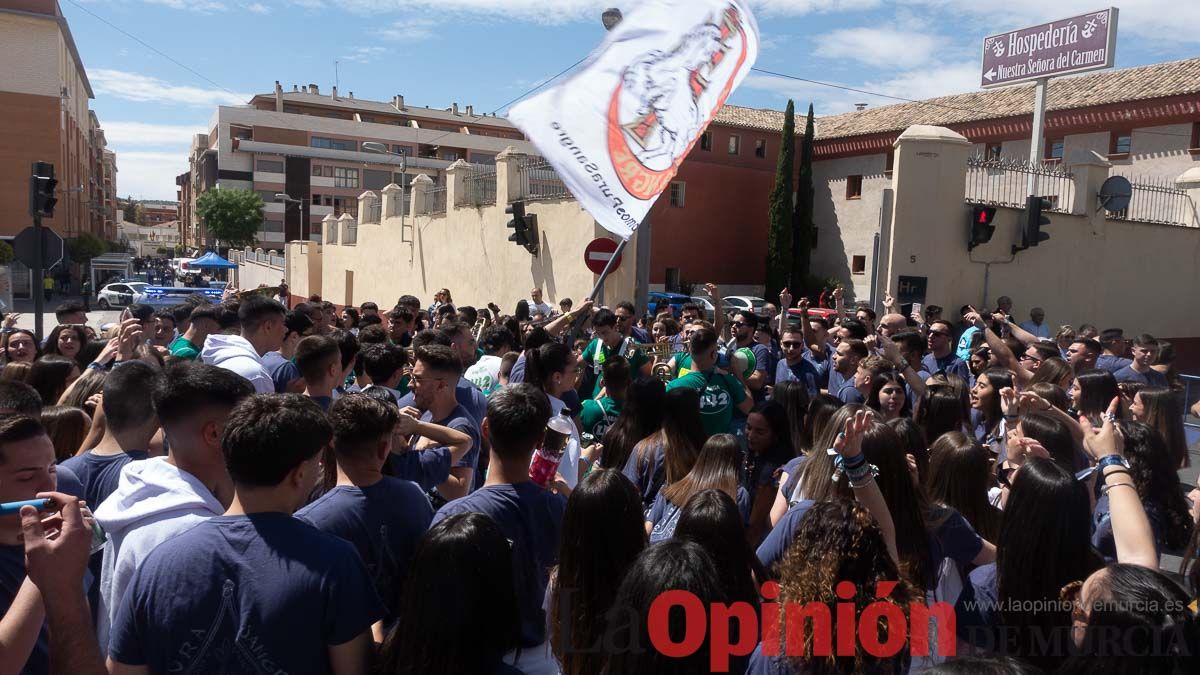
(618, 129)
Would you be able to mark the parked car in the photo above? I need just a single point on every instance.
(121, 294)
(741, 303)
(794, 315)
(657, 301)
(710, 311)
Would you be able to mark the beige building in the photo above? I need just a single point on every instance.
(146, 240)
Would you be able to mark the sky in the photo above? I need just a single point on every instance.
(489, 52)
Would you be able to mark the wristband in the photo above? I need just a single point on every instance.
(1104, 490)
(1115, 472)
(1112, 460)
(96, 365)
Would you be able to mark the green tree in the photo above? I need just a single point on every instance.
(139, 213)
(129, 211)
(85, 247)
(6, 253)
(779, 210)
(802, 217)
(231, 216)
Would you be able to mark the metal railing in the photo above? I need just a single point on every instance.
(373, 212)
(265, 258)
(330, 236)
(1157, 200)
(399, 205)
(1004, 181)
(539, 181)
(435, 200)
(350, 234)
(276, 261)
(481, 186)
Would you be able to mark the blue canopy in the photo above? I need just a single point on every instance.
(211, 261)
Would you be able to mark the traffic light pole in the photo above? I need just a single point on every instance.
(39, 300)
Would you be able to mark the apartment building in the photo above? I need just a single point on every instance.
(309, 146)
(158, 212)
(44, 93)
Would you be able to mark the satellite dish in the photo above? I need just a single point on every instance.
(1115, 193)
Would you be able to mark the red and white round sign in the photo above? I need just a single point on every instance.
(598, 253)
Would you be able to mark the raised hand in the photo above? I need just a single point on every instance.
(889, 303)
(849, 442)
(1107, 440)
(785, 299)
(1009, 402)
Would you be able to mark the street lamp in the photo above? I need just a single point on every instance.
(288, 199)
(382, 149)
(611, 17)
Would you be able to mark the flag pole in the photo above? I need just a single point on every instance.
(608, 268)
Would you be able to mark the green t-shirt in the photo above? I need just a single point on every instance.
(719, 395)
(182, 348)
(635, 356)
(598, 415)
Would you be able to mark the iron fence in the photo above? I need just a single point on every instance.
(374, 210)
(481, 186)
(539, 181)
(350, 234)
(1004, 181)
(435, 200)
(1156, 200)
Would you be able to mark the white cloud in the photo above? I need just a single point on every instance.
(410, 29)
(146, 89)
(917, 84)
(124, 134)
(258, 8)
(920, 84)
(878, 47)
(364, 54)
(149, 175)
(202, 6)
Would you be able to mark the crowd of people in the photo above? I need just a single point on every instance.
(277, 485)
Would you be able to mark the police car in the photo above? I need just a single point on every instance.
(121, 294)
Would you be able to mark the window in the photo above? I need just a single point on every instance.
(345, 178)
(376, 180)
(706, 141)
(858, 264)
(272, 226)
(316, 200)
(1195, 136)
(240, 133)
(327, 170)
(678, 192)
(450, 155)
(735, 144)
(333, 143)
(1054, 149)
(269, 166)
(402, 150)
(1119, 142)
(268, 196)
(889, 162)
(760, 148)
(991, 152)
(345, 205)
(316, 169)
(853, 187)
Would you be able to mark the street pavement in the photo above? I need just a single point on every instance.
(96, 318)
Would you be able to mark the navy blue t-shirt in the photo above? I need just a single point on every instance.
(792, 469)
(263, 593)
(467, 395)
(849, 393)
(68, 483)
(384, 521)
(100, 474)
(460, 419)
(648, 473)
(531, 518)
(1112, 363)
(804, 371)
(427, 468)
(12, 575)
(780, 537)
(835, 381)
(949, 364)
(1151, 377)
(823, 364)
(664, 515)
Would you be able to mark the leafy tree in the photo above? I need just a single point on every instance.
(779, 210)
(139, 213)
(802, 217)
(85, 247)
(6, 252)
(231, 216)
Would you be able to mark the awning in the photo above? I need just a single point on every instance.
(211, 261)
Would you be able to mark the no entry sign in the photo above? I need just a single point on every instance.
(598, 253)
(1073, 45)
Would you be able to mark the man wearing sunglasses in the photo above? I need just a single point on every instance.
(794, 366)
(941, 356)
(743, 326)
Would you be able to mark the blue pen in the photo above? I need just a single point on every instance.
(13, 508)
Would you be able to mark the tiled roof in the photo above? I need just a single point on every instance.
(1114, 86)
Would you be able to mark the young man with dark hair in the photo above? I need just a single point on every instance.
(181, 313)
(262, 331)
(794, 366)
(27, 468)
(382, 516)
(202, 322)
(227, 318)
(845, 363)
(371, 334)
(485, 373)
(255, 589)
(1082, 354)
(941, 357)
(284, 372)
(910, 346)
(348, 348)
(368, 309)
(467, 394)
(384, 364)
(1115, 350)
(598, 414)
(164, 328)
(609, 341)
(320, 363)
(162, 497)
(70, 312)
(743, 325)
(627, 322)
(18, 398)
(129, 424)
(401, 326)
(1145, 353)
(433, 382)
(720, 392)
(461, 341)
(530, 515)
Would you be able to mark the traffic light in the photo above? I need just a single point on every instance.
(524, 227)
(41, 190)
(981, 226)
(1032, 234)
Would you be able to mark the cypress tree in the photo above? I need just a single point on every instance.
(779, 234)
(802, 217)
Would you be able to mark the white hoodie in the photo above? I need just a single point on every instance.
(235, 353)
(154, 501)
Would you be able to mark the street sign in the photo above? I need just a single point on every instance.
(1074, 45)
(52, 248)
(598, 253)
